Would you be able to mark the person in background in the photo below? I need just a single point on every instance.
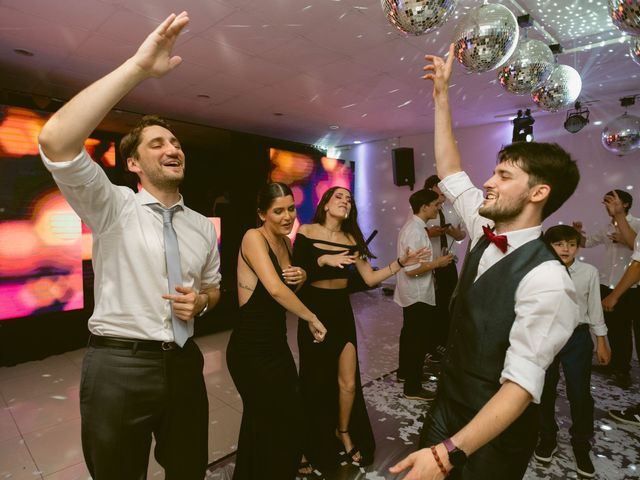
(610, 303)
(335, 411)
(515, 307)
(415, 293)
(444, 231)
(575, 358)
(618, 238)
(258, 355)
(156, 267)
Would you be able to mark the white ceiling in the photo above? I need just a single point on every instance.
(316, 62)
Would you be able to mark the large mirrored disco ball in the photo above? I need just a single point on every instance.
(528, 67)
(560, 90)
(634, 50)
(625, 15)
(417, 16)
(622, 135)
(486, 37)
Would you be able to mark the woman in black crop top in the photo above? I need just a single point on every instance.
(258, 356)
(335, 413)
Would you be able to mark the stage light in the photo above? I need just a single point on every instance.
(577, 118)
(523, 127)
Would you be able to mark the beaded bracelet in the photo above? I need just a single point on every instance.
(438, 461)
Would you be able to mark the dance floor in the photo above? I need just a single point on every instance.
(40, 422)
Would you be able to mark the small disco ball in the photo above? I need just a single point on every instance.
(625, 15)
(622, 135)
(528, 67)
(634, 50)
(417, 16)
(560, 90)
(486, 37)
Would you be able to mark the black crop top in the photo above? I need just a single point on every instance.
(306, 254)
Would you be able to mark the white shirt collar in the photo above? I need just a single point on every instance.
(145, 198)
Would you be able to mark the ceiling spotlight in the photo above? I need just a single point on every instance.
(577, 118)
(523, 127)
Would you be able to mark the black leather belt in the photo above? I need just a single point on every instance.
(131, 344)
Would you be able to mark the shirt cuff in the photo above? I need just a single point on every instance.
(599, 330)
(455, 185)
(79, 171)
(525, 373)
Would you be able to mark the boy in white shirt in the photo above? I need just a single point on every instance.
(575, 357)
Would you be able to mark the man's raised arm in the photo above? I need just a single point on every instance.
(64, 134)
(446, 149)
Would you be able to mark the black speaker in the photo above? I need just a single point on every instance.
(403, 171)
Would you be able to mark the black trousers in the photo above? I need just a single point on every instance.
(127, 396)
(623, 324)
(446, 281)
(575, 358)
(416, 339)
(506, 457)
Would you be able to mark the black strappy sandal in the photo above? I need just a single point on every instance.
(354, 451)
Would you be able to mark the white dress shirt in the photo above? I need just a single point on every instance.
(128, 251)
(412, 289)
(450, 216)
(545, 305)
(635, 256)
(617, 255)
(585, 278)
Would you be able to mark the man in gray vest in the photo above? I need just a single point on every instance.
(156, 267)
(514, 309)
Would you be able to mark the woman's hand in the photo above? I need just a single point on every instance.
(412, 257)
(317, 330)
(337, 259)
(294, 275)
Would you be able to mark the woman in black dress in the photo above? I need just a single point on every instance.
(258, 355)
(335, 413)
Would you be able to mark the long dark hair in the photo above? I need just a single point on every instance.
(349, 225)
(268, 194)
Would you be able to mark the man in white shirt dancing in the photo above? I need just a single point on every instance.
(156, 267)
(514, 309)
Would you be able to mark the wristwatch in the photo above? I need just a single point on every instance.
(457, 457)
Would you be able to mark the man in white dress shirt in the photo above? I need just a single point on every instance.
(514, 309)
(444, 231)
(415, 293)
(618, 239)
(142, 373)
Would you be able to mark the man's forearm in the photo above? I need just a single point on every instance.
(64, 134)
(494, 418)
(213, 296)
(445, 147)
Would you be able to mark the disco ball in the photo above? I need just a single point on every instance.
(634, 50)
(622, 135)
(560, 90)
(417, 16)
(626, 15)
(528, 67)
(485, 37)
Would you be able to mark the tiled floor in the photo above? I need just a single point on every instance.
(40, 421)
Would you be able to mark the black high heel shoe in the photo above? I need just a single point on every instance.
(354, 451)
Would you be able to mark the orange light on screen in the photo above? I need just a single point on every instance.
(55, 221)
(329, 164)
(19, 132)
(109, 157)
(289, 166)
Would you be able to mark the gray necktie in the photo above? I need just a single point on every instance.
(181, 330)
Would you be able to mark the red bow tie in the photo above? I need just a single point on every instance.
(499, 241)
